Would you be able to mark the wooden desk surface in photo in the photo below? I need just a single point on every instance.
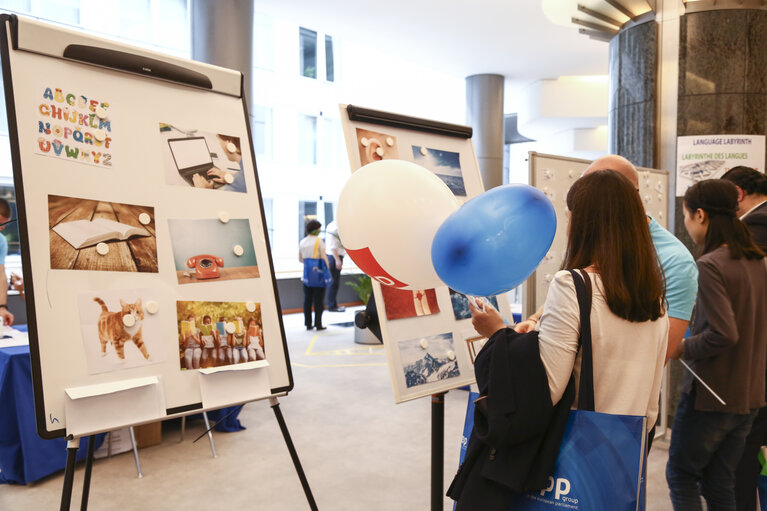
(240, 272)
(138, 253)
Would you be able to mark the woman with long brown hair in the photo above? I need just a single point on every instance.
(727, 348)
(609, 239)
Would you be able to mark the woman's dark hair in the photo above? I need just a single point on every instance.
(747, 179)
(608, 228)
(719, 199)
(312, 225)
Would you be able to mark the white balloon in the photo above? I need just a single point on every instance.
(388, 213)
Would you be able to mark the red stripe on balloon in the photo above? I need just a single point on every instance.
(367, 263)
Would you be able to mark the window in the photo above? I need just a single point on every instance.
(261, 123)
(307, 210)
(263, 42)
(307, 52)
(329, 69)
(307, 139)
(269, 215)
(328, 213)
(61, 11)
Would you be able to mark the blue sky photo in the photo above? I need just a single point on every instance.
(446, 165)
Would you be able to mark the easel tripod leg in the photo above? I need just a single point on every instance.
(88, 470)
(437, 450)
(293, 454)
(69, 473)
(135, 452)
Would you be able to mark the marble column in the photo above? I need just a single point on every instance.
(484, 113)
(222, 35)
(633, 79)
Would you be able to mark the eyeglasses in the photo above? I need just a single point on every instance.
(3, 224)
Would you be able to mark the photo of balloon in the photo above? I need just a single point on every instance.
(388, 213)
(495, 240)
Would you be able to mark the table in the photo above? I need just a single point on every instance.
(24, 456)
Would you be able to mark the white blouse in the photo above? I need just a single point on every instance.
(628, 357)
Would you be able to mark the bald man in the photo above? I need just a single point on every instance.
(678, 265)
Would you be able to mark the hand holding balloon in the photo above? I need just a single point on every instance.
(487, 320)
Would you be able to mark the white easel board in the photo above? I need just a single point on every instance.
(108, 143)
(554, 175)
(437, 318)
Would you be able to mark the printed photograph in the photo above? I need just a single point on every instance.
(474, 345)
(461, 304)
(201, 159)
(74, 126)
(89, 234)
(374, 146)
(446, 165)
(208, 250)
(118, 331)
(214, 334)
(400, 304)
(428, 359)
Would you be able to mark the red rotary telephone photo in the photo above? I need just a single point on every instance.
(205, 266)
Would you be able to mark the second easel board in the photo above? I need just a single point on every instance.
(554, 175)
(429, 340)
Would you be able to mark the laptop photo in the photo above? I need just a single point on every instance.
(191, 156)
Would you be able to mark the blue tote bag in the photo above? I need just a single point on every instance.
(601, 462)
(316, 272)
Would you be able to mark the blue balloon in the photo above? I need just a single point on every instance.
(495, 241)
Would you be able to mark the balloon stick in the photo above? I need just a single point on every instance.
(704, 383)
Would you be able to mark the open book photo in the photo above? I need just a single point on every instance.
(84, 233)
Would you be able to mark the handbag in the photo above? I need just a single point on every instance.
(316, 272)
(602, 459)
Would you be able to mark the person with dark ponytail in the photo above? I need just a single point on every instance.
(727, 349)
(752, 209)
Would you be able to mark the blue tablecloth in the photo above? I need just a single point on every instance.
(24, 456)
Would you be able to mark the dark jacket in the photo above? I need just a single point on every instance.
(517, 431)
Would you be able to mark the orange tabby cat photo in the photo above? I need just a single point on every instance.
(118, 332)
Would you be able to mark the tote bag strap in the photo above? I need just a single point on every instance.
(316, 254)
(586, 384)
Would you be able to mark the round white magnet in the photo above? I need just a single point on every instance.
(238, 251)
(364, 141)
(250, 306)
(424, 151)
(660, 214)
(101, 112)
(424, 343)
(129, 320)
(223, 217)
(229, 178)
(144, 218)
(102, 248)
(100, 135)
(152, 307)
(231, 147)
(389, 141)
(548, 277)
(451, 355)
(230, 328)
(380, 151)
